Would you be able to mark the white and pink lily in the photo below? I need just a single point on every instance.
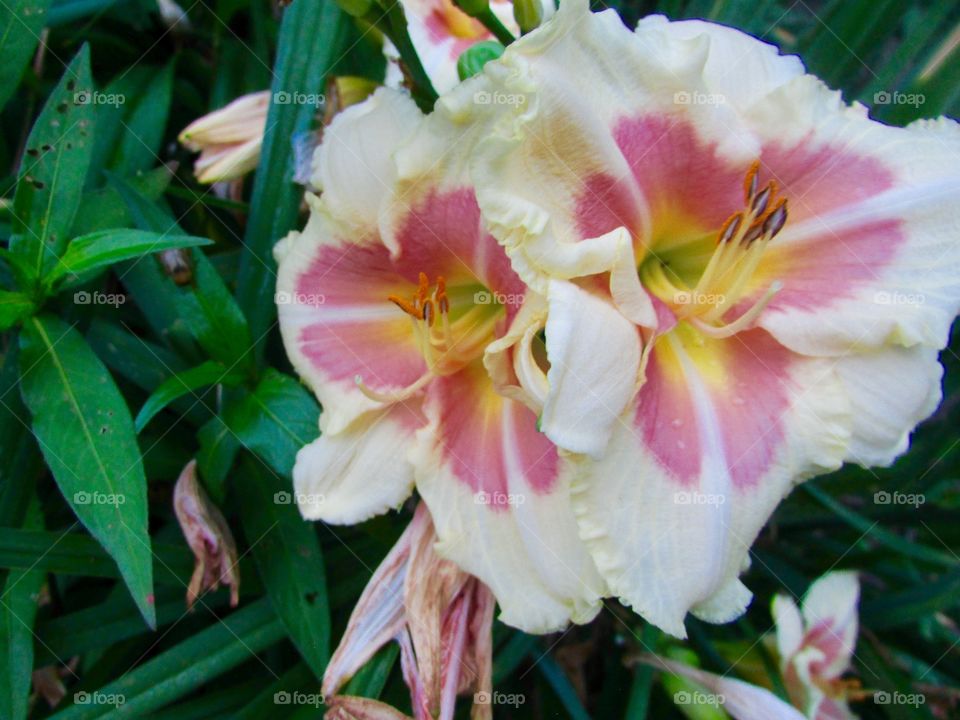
(442, 619)
(816, 645)
(770, 271)
(403, 315)
(441, 32)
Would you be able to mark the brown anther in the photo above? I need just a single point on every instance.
(753, 233)
(774, 222)
(423, 289)
(730, 228)
(428, 312)
(762, 199)
(750, 181)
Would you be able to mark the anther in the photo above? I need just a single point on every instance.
(750, 181)
(730, 228)
(775, 221)
(760, 201)
(428, 312)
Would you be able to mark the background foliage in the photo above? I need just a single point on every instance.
(92, 326)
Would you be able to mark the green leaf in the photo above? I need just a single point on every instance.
(311, 39)
(14, 306)
(209, 373)
(206, 305)
(106, 247)
(18, 610)
(218, 450)
(289, 559)
(21, 22)
(561, 686)
(275, 420)
(370, 680)
(189, 665)
(50, 180)
(86, 435)
(874, 531)
(104, 208)
(145, 122)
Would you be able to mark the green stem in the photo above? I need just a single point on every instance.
(395, 28)
(492, 23)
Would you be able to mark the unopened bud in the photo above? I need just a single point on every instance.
(528, 14)
(472, 60)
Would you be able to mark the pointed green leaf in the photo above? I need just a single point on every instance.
(86, 435)
(54, 165)
(275, 420)
(14, 306)
(21, 22)
(105, 247)
(209, 373)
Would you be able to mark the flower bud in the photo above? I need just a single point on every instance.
(528, 14)
(472, 60)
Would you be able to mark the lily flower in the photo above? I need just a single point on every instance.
(441, 32)
(403, 315)
(816, 645)
(440, 616)
(228, 139)
(788, 265)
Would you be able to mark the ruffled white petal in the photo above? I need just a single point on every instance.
(891, 391)
(354, 165)
(360, 472)
(665, 548)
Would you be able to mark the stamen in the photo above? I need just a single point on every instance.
(397, 396)
(750, 181)
(428, 312)
(409, 309)
(759, 205)
(742, 322)
(775, 221)
(730, 228)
